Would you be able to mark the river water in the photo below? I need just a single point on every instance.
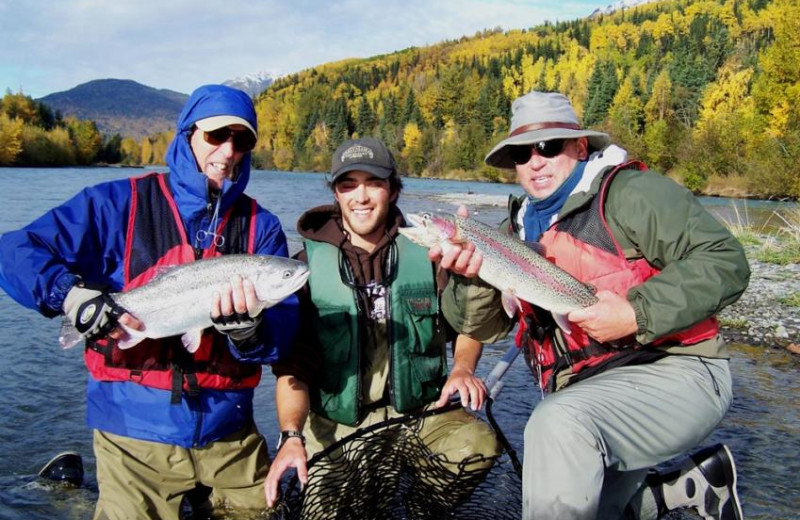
(42, 402)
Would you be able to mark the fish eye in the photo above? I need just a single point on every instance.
(287, 274)
(427, 216)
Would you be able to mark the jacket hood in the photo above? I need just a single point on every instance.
(584, 191)
(189, 185)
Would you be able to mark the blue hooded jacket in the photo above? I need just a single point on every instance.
(85, 237)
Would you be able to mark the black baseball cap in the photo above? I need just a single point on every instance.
(366, 154)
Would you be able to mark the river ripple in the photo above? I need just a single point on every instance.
(42, 398)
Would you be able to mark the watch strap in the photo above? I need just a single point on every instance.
(288, 434)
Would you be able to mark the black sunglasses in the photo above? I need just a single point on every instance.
(243, 140)
(521, 154)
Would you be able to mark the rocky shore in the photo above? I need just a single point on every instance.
(759, 317)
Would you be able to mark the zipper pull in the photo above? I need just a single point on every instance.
(539, 360)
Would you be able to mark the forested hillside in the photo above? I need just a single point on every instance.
(32, 134)
(120, 106)
(707, 91)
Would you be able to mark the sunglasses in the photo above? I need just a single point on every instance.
(521, 154)
(243, 140)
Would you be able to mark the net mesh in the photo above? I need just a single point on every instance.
(386, 472)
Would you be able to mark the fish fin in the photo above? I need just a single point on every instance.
(191, 340)
(511, 303)
(536, 247)
(68, 336)
(261, 305)
(131, 338)
(562, 322)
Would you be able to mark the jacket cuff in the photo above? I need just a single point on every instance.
(54, 304)
(641, 321)
(473, 308)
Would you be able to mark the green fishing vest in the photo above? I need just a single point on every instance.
(418, 367)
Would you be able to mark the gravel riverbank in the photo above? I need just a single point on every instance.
(759, 317)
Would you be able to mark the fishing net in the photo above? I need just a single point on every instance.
(385, 471)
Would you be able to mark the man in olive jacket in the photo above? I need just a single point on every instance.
(642, 376)
(372, 340)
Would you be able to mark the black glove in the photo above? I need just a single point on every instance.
(92, 311)
(240, 327)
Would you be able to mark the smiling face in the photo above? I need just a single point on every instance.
(217, 162)
(364, 201)
(541, 176)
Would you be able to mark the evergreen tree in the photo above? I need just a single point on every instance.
(366, 118)
(411, 113)
(602, 89)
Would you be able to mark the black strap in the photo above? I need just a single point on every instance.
(177, 384)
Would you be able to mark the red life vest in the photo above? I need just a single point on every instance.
(582, 244)
(156, 238)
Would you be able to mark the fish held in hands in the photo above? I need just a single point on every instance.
(177, 301)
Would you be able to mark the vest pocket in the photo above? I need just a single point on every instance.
(426, 357)
(422, 323)
(335, 329)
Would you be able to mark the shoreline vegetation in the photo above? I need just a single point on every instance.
(722, 192)
(704, 91)
(768, 313)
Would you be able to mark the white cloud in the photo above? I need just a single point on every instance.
(50, 46)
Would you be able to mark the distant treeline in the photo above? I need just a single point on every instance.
(32, 134)
(705, 91)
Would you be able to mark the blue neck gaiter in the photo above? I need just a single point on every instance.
(539, 212)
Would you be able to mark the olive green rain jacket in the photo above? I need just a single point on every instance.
(703, 267)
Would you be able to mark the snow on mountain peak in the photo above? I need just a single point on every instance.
(253, 84)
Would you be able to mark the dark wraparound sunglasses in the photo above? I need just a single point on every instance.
(521, 154)
(243, 140)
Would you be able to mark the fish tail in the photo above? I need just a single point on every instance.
(69, 336)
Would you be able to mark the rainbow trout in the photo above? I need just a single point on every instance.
(177, 301)
(509, 264)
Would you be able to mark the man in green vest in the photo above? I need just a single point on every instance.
(373, 336)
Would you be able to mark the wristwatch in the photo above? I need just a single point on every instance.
(287, 434)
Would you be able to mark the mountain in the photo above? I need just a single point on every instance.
(253, 84)
(120, 106)
(616, 6)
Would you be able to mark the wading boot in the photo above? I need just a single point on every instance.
(64, 467)
(705, 482)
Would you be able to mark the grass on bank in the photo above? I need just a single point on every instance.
(790, 300)
(781, 247)
(733, 323)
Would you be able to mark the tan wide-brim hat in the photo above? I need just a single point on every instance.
(542, 116)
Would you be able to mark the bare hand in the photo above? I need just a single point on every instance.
(611, 318)
(470, 388)
(291, 455)
(237, 298)
(130, 322)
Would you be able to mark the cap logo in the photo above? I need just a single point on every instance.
(357, 152)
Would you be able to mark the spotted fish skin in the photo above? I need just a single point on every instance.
(177, 302)
(509, 264)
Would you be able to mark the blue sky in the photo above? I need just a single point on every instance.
(49, 46)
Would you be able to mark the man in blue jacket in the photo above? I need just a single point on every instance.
(164, 419)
